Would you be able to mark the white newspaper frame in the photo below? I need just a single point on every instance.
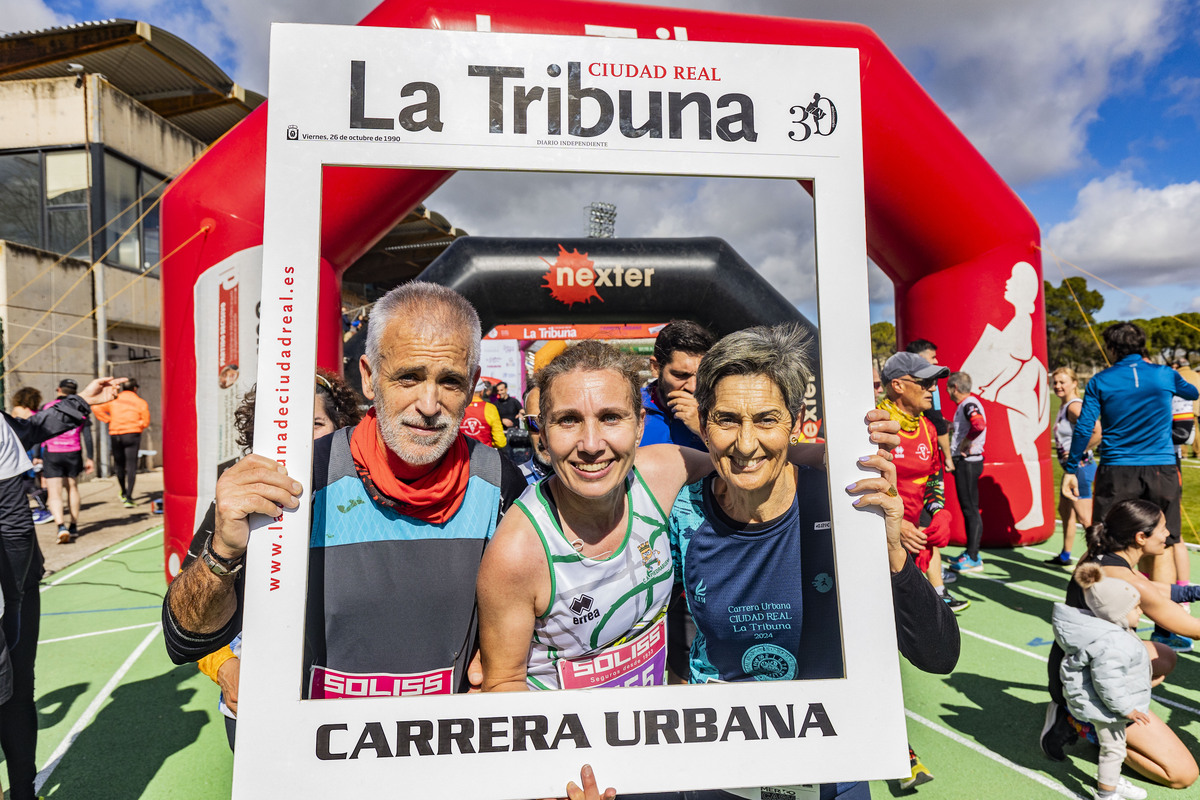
(310, 88)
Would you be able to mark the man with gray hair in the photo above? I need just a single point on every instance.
(968, 432)
(402, 507)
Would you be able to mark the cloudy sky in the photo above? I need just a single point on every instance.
(1090, 110)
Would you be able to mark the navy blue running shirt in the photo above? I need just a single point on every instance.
(764, 595)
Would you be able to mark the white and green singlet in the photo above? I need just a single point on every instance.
(605, 622)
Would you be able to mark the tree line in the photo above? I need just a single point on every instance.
(1069, 343)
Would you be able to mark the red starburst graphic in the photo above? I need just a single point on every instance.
(571, 277)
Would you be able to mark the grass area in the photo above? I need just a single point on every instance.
(1191, 487)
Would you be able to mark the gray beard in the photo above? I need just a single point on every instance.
(397, 438)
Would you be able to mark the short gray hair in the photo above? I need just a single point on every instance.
(427, 303)
(959, 382)
(780, 353)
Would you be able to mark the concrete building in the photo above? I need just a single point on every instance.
(95, 120)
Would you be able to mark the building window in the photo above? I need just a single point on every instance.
(124, 187)
(20, 198)
(44, 202)
(67, 184)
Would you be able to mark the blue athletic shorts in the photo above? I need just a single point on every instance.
(1086, 474)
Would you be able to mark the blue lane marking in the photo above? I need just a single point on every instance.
(98, 610)
(1039, 641)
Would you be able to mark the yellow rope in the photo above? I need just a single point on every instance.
(112, 297)
(1082, 313)
(93, 235)
(1165, 313)
(81, 278)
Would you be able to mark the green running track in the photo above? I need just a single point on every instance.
(119, 721)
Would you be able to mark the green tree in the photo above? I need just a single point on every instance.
(883, 341)
(1067, 338)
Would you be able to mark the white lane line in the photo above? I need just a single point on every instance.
(1016, 587)
(1005, 645)
(105, 557)
(98, 633)
(1044, 659)
(1052, 785)
(86, 719)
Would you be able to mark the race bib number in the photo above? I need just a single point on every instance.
(642, 661)
(327, 684)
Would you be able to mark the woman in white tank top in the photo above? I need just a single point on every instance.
(1066, 386)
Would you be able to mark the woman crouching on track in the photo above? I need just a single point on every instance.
(1130, 530)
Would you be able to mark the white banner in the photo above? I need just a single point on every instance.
(453, 100)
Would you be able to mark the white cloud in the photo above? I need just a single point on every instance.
(1023, 79)
(1134, 235)
(29, 15)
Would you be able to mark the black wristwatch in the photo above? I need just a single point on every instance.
(221, 567)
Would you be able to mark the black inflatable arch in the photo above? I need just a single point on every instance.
(519, 280)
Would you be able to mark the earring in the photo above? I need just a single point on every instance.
(795, 439)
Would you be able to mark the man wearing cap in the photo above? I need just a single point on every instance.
(62, 460)
(127, 417)
(908, 382)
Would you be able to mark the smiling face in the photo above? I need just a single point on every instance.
(747, 432)
(1063, 385)
(590, 431)
(421, 387)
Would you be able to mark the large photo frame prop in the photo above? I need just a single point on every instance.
(389, 98)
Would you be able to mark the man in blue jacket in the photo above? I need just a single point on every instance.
(671, 415)
(1132, 400)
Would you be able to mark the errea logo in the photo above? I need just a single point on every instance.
(581, 607)
(574, 278)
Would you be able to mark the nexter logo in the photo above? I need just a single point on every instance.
(574, 278)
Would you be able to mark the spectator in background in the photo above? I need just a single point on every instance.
(62, 462)
(1066, 386)
(1132, 400)
(127, 417)
(908, 382)
(481, 421)
(928, 351)
(671, 413)
(538, 466)
(968, 432)
(19, 582)
(1184, 367)
(509, 407)
(26, 403)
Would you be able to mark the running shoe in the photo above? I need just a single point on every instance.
(41, 516)
(127, 503)
(948, 576)
(920, 773)
(965, 563)
(64, 535)
(956, 604)
(1057, 732)
(1129, 791)
(73, 530)
(1060, 560)
(1180, 644)
(121, 496)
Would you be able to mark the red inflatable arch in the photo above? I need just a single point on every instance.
(958, 242)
